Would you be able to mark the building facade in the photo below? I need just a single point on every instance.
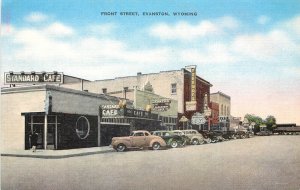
(224, 102)
(183, 86)
(66, 118)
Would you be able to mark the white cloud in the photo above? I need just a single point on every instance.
(213, 54)
(59, 30)
(39, 47)
(36, 17)
(292, 25)
(186, 31)
(263, 19)
(266, 47)
(102, 29)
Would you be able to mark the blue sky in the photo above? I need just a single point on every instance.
(249, 50)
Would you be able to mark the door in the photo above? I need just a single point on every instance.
(139, 139)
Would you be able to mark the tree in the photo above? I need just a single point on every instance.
(270, 122)
(256, 119)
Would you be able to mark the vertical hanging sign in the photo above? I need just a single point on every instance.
(193, 84)
(192, 104)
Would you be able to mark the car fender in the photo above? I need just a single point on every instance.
(126, 143)
(160, 141)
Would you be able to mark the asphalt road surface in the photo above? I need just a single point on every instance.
(271, 162)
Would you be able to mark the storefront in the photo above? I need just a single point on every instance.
(118, 121)
(63, 118)
(66, 118)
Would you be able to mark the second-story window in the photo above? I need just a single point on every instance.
(173, 88)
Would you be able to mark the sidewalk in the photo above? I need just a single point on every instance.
(56, 154)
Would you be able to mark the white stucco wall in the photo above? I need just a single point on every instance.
(161, 83)
(12, 122)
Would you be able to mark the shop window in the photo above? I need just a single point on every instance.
(82, 127)
(174, 88)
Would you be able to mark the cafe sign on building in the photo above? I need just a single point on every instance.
(32, 77)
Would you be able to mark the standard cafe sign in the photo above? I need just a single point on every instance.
(32, 77)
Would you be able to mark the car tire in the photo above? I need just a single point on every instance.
(155, 146)
(195, 142)
(174, 144)
(121, 147)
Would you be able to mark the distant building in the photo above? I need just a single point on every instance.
(224, 102)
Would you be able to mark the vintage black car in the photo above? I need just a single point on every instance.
(172, 140)
(264, 133)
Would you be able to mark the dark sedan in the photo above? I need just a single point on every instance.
(172, 140)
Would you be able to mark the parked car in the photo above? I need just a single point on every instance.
(172, 139)
(194, 136)
(264, 133)
(216, 136)
(138, 139)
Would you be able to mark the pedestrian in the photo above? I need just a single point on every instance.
(34, 139)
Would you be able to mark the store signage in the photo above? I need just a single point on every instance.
(32, 77)
(223, 118)
(161, 104)
(198, 119)
(136, 113)
(191, 106)
(110, 110)
(193, 84)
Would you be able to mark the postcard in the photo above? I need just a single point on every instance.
(160, 94)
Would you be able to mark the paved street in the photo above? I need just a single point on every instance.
(271, 162)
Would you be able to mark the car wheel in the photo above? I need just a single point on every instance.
(155, 146)
(174, 144)
(195, 141)
(121, 147)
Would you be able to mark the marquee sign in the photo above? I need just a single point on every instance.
(32, 77)
(116, 111)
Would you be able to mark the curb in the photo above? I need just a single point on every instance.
(56, 156)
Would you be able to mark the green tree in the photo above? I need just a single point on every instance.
(270, 122)
(256, 119)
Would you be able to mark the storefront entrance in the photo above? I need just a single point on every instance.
(37, 123)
